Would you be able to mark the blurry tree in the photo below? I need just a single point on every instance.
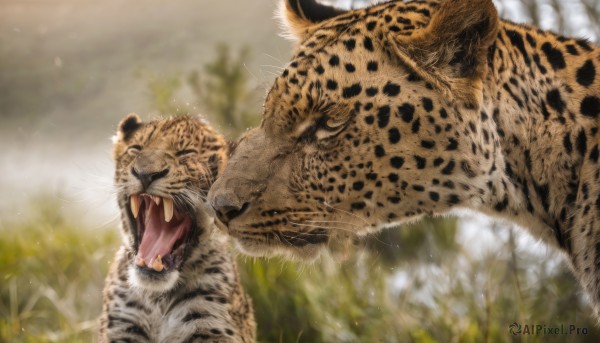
(569, 17)
(224, 91)
(162, 94)
(220, 91)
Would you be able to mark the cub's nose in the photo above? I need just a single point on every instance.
(228, 206)
(148, 177)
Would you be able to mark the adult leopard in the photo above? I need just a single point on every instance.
(400, 110)
(174, 278)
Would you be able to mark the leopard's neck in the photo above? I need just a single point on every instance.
(535, 96)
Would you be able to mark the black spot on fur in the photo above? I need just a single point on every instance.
(371, 91)
(394, 200)
(332, 85)
(358, 185)
(418, 188)
(572, 50)
(421, 162)
(391, 89)
(567, 142)
(584, 44)
(397, 162)
(427, 104)
(352, 91)
(555, 100)
(383, 116)
(582, 142)
(531, 40)
(334, 61)
(586, 74)
(358, 205)
(590, 106)
(394, 135)
(350, 44)
(379, 151)
(538, 62)
(368, 43)
(434, 196)
(416, 126)
(428, 144)
(543, 192)
(406, 112)
(449, 168)
(517, 40)
(453, 199)
(452, 145)
(372, 66)
(501, 206)
(555, 57)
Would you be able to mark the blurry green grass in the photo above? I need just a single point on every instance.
(51, 276)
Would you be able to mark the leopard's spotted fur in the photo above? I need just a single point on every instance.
(405, 109)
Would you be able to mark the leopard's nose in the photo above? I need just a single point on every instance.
(228, 206)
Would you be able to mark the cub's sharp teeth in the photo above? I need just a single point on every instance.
(157, 264)
(156, 200)
(168, 206)
(140, 262)
(135, 205)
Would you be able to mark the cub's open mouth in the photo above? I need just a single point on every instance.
(162, 233)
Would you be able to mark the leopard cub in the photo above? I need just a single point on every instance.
(174, 278)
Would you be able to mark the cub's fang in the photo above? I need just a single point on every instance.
(156, 200)
(157, 264)
(168, 207)
(135, 205)
(140, 262)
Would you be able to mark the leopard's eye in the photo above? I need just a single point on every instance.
(134, 149)
(321, 129)
(329, 129)
(185, 152)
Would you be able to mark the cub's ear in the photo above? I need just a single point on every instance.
(127, 127)
(297, 16)
(451, 52)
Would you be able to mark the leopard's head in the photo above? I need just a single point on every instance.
(359, 132)
(164, 169)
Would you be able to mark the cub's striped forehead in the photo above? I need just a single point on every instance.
(167, 134)
(172, 131)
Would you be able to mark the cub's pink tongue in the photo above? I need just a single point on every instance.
(159, 236)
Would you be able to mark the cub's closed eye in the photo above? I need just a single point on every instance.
(185, 152)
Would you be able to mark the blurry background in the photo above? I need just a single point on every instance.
(71, 69)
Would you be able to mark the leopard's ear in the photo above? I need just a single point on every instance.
(452, 50)
(127, 127)
(297, 16)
